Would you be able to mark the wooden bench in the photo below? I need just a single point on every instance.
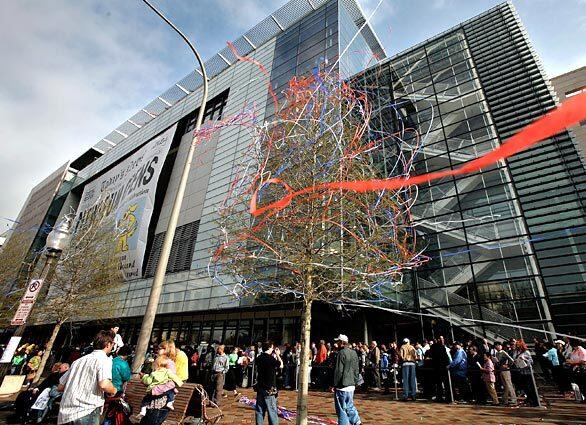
(191, 404)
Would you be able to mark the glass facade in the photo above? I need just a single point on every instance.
(507, 245)
(503, 249)
(310, 44)
(355, 53)
(549, 180)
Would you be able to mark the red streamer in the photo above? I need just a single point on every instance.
(571, 112)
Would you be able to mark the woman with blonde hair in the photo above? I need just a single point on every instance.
(178, 357)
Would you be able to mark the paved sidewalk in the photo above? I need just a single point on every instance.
(383, 409)
(380, 409)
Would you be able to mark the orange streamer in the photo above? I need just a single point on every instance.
(571, 112)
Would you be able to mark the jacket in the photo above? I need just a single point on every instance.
(182, 365)
(407, 353)
(459, 365)
(346, 370)
(120, 372)
(160, 376)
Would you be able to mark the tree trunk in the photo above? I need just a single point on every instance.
(47, 351)
(304, 363)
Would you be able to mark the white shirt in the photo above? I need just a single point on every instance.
(82, 393)
(117, 343)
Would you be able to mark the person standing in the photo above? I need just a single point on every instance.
(408, 357)
(230, 383)
(577, 361)
(267, 364)
(346, 375)
(475, 376)
(118, 343)
(503, 366)
(181, 364)
(85, 384)
(373, 362)
(219, 370)
(524, 364)
(121, 369)
(289, 366)
(320, 364)
(459, 370)
(488, 377)
(440, 361)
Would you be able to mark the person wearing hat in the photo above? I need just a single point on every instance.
(559, 373)
(408, 357)
(346, 375)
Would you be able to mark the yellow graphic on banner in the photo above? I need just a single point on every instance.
(126, 226)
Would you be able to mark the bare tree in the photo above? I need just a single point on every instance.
(288, 230)
(84, 277)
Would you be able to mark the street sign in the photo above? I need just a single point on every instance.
(27, 302)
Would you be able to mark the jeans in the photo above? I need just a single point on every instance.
(91, 419)
(154, 417)
(266, 404)
(345, 409)
(409, 381)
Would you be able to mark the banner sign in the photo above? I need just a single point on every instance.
(128, 192)
(8, 353)
(27, 301)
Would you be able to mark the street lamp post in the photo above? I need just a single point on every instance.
(157, 286)
(57, 241)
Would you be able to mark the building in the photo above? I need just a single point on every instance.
(568, 85)
(505, 250)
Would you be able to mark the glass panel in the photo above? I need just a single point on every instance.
(218, 332)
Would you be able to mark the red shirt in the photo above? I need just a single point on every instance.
(322, 354)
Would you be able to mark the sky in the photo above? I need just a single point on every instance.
(72, 71)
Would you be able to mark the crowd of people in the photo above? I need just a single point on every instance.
(470, 372)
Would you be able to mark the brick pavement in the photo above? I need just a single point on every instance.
(377, 409)
(382, 409)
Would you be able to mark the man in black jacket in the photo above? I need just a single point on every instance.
(345, 380)
(440, 360)
(267, 364)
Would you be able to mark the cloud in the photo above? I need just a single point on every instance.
(441, 4)
(71, 72)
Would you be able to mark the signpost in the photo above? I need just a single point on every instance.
(27, 302)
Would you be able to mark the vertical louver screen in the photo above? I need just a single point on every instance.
(181, 251)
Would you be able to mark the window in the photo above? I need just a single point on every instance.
(575, 92)
(181, 250)
(214, 110)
